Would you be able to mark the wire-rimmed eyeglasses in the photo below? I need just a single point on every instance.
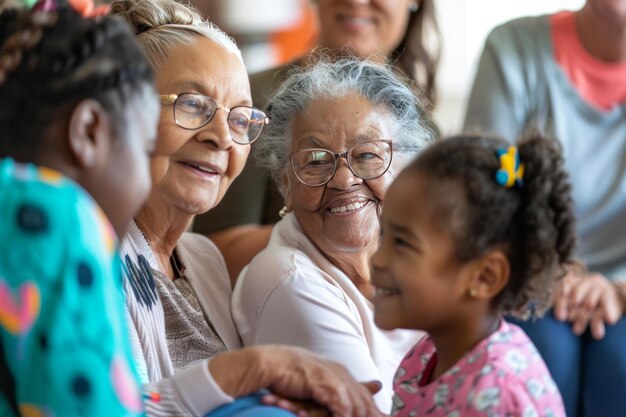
(193, 111)
(317, 166)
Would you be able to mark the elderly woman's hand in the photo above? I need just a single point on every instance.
(294, 373)
(588, 300)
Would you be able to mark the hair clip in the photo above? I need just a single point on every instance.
(511, 171)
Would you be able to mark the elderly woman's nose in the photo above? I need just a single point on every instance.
(344, 178)
(217, 131)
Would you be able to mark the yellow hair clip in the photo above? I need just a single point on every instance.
(511, 171)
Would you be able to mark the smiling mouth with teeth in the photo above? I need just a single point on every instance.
(349, 207)
(203, 169)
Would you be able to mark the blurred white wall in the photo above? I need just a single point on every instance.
(256, 16)
(464, 25)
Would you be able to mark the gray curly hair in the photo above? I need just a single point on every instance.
(325, 79)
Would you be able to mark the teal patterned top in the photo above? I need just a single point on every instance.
(64, 348)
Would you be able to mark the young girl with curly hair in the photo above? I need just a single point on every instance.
(472, 230)
(78, 120)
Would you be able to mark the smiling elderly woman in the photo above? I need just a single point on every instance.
(339, 134)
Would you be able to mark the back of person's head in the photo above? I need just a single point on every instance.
(417, 55)
(162, 24)
(50, 59)
(531, 220)
(328, 79)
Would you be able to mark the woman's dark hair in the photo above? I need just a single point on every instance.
(51, 60)
(418, 53)
(533, 223)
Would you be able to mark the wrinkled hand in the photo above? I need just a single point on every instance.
(300, 374)
(308, 408)
(296, 374)
(589, 300)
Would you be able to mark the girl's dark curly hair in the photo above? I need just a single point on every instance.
(532, 223)
(49, 61)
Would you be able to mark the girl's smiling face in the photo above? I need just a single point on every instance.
(419, 282)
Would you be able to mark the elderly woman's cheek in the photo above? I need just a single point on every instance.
(236, 162)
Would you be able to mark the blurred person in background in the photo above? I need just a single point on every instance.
(565, 74)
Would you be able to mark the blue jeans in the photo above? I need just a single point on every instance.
(249, 406)
(590, 374)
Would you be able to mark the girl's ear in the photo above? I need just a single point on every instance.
(89, 132)
(490, 276)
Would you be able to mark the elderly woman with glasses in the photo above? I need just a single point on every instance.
(340, 132)
(177, 287)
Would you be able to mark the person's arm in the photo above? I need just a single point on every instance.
(288, 372)
(499, 98)
(294, 373)
(239, 244)
(307, 311)
(192, 392)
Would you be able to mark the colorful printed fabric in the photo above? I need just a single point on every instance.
(63, 340)
(503, 376)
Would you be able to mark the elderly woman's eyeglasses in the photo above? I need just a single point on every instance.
(193, 111)
(368, 160)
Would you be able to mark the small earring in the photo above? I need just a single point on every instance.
(473, 293)
(283, 212)
(413, 6)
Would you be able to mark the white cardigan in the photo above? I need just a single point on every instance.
(193, 391)
(292, 294)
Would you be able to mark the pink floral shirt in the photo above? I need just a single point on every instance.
(503, 376)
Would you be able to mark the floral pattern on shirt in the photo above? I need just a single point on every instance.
(503, 376)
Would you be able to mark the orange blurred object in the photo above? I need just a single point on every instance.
(84, 7)
(298, 39)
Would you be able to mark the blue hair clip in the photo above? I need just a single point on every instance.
(511, 171)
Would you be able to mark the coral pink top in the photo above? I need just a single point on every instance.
(600, 83)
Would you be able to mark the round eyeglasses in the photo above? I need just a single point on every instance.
(193, 111)
(368, 160)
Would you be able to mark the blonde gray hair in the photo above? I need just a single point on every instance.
(162, 24)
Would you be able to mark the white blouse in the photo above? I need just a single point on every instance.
(292, 294)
